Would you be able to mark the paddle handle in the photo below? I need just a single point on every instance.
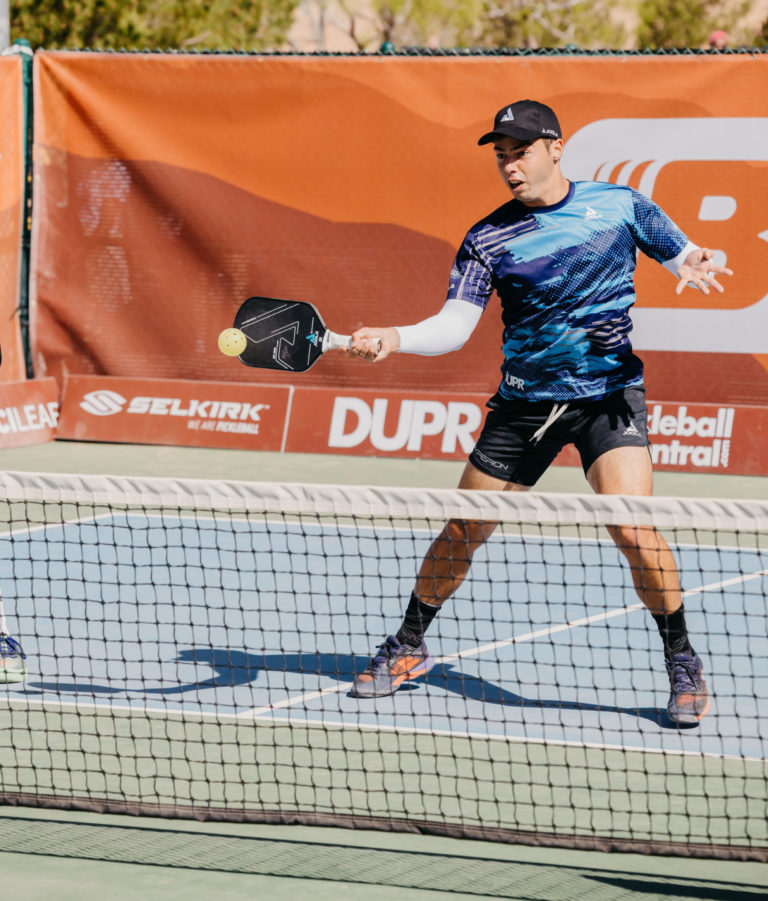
(331, 341)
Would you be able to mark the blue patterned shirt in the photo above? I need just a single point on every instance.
(565, 278)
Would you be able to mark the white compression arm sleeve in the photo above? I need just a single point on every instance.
(674, 264)
(445, 331)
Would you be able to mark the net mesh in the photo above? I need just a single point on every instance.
(191, 647)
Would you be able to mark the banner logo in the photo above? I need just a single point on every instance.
(29, 412)
(353, 422)
(102, 403)
(181, 412)
(33, 417)
(681, 424)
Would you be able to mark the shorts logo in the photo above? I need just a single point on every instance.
(494, 463)
(632, 430)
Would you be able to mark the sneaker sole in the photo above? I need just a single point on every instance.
(420, 669)
(8, 676)
(688, 719)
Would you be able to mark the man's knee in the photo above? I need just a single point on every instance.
(470, 533)
(632, 540)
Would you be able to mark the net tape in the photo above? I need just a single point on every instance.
(346, 500)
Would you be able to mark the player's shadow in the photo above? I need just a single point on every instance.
(233, 668)
(450, 678)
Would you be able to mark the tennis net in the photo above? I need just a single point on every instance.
(191, 646)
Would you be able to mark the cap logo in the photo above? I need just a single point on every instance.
(508, 115)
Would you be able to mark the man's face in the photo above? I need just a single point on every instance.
(529, 170)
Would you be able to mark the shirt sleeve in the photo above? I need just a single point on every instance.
(471, 277)
(655, 233)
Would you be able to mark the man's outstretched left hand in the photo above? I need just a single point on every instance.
(700, 272)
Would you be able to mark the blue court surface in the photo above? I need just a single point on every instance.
(545, 641)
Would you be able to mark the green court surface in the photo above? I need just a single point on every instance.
(63, 857)
(59, 855)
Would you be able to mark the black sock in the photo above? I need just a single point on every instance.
(418, 616)
(673, 632)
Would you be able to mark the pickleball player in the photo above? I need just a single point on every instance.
(561, 257)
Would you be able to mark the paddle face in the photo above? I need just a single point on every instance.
(282, 334)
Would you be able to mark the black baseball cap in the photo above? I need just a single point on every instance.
(525, 120)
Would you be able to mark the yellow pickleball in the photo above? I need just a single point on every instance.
(232, 342)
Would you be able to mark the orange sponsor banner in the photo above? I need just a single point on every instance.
(12, 155)
(362, 422)
(174, 184)
(684, 437)
(185, 413)
(29, 412)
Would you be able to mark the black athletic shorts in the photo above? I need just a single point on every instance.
(508, 450)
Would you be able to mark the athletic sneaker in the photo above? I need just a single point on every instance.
(689, 700)
(12, 668)
(392, 665)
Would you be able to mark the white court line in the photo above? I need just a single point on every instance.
(31, 529)
(219, 718)
(552, 630)
(515, 639)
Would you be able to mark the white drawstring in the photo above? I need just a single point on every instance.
(556, 411)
